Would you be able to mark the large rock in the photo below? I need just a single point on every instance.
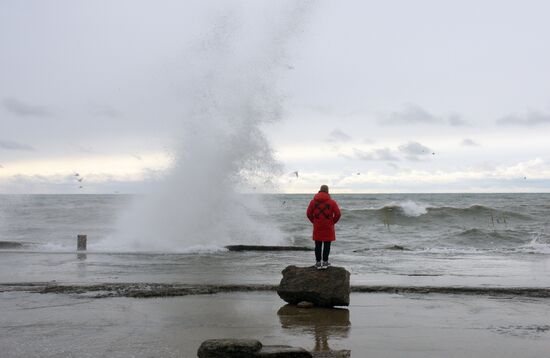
(251, 348)
(332, 354)
(229, 348)
(247, 348)
(325, 288)
(282, 352)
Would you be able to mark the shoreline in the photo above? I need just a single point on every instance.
(152, 290)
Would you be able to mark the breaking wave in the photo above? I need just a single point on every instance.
(411, 209)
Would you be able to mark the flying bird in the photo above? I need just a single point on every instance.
(295, 173)
(80, 180)
(76, 174)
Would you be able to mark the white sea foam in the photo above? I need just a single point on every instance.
(411, 208)
(536, 249)
(540, 244)
(54, 247)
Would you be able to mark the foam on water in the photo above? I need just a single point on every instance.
(411, 208)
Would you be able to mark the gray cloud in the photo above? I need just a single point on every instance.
(383, 154)
(23, 109)
(338, 136)
(411, 113)
(414, 114)
(456, 120)
(411, 151)
(414, 148)
(11, 145)
(529, 119)
(467, 142)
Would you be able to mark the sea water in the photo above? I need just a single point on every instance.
(383, 239)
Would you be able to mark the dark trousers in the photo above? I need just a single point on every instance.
(323, 246)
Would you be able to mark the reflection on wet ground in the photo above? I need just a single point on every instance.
(384, 325)
(322, 323)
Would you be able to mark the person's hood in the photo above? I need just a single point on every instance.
(321, 196)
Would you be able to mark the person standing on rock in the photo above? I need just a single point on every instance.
(323, 212)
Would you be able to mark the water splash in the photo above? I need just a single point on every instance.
(413, 209)
(230, 91)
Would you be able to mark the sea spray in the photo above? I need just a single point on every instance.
(229, 92)
(411, 208)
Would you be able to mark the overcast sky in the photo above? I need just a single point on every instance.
(378, 96)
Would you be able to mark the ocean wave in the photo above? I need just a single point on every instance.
(485, 240)
(492, 237)
(405, 208)
(384, 248)
(476, 210)
(542, 249)
(540, 244)
(411, 209)
(539, 249)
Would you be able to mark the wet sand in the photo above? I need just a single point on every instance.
(375, 325)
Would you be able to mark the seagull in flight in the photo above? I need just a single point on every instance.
(295, 173)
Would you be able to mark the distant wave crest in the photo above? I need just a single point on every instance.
(411, 209)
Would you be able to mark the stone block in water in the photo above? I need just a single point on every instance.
(229, 348)
(247, 348)
(282, 352)
(324, 288)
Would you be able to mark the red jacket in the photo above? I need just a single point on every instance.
(323, 212)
